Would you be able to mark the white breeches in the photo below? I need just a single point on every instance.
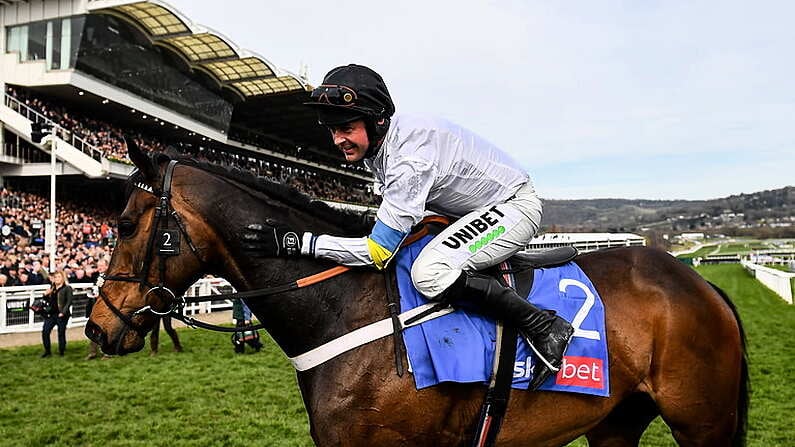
(480, 239)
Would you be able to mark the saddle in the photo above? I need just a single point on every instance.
(516, 272)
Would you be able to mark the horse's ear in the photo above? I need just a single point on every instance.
(141, 160)
(171, 152)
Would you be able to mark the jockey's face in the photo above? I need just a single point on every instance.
(351, 138)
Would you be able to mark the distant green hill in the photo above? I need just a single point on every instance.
(768, 213)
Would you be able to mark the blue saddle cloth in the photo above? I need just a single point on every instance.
(459, 347)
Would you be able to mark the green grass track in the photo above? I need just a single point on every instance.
(209, 396)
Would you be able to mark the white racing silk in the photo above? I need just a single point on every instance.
(429, 166)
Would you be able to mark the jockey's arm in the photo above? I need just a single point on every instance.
(376, 249)
(405, 193)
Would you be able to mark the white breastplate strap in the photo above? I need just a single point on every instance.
(361, 336)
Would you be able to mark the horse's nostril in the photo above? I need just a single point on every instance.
(94, 333)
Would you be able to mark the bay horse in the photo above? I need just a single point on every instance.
(676, 344)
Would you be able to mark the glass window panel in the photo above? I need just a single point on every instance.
(48, 45)
(37, 40)
(75, 35)
(124, 61)
(54, 44)
(14, 40)
(23, 42)
(66, 51)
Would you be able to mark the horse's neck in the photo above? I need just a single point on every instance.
(302, 319)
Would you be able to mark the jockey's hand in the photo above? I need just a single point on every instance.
(271, 239)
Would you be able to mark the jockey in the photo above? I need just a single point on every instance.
(426, 165)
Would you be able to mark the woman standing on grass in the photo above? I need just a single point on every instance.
(60, 297)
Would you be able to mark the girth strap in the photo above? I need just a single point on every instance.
(393, 303)
(495, 404)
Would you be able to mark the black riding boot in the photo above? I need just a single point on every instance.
(546, 333)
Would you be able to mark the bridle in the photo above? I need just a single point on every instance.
(165, 240)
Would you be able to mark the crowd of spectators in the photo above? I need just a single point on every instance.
(329, 159)
(109, 140)
(85, 236)
(105, 137)
(333, 189)
(307, 181)
(85, 233)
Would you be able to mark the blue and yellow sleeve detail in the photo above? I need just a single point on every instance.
(383, 242)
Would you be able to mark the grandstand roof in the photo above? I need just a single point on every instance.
(272, 98)
(245, 72)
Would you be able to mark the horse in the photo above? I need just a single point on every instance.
(676, 344)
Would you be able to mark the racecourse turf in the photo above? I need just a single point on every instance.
(210, 396)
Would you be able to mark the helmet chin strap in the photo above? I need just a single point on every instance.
(376, 131)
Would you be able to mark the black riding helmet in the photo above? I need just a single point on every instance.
(354, 92)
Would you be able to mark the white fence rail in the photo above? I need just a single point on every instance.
(16, 316)
(36, 117)
(776, 280)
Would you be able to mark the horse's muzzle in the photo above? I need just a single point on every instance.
(95, 334)
(125, 342)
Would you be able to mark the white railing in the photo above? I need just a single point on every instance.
(209, 286)
(36, 117)
(16, 316)
(779, 282)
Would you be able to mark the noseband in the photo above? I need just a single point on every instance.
(166, 241)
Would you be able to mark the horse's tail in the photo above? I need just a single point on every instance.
(745, 382)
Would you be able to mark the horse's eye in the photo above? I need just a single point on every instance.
(126, 228)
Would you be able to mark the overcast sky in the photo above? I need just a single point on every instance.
(629, 99)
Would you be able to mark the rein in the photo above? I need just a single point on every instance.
(257, 293)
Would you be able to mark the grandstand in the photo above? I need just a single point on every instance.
(145, 68)
(97, 71)
(586, 242)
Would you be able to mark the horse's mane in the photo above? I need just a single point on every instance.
(352, 222)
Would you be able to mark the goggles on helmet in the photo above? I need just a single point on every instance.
(333, 94)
